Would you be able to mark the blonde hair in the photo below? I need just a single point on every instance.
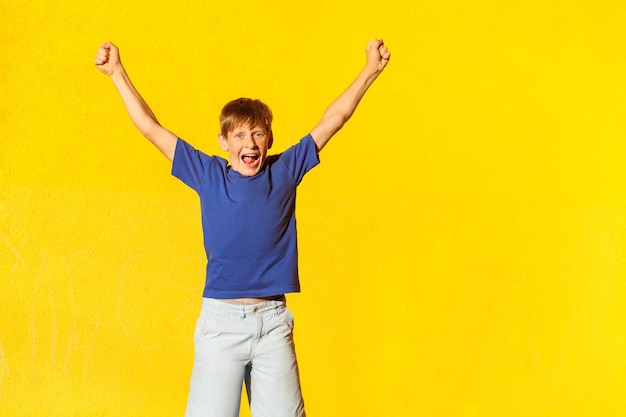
(245, 111)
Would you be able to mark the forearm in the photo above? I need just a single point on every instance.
(108, 61)
(343, 107)
(138, 110)
(142, 116)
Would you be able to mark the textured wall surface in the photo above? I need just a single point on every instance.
(462, 243)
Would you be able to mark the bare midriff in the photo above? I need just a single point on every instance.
(250, 301)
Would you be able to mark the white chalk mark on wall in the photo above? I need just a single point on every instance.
(5, 372)
(92, 342)
(18, 258)
(64, 335)
(73, 337)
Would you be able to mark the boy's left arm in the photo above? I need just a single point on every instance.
(342, 108)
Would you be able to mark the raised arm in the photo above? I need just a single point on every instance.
(108, 61)
(340, 110)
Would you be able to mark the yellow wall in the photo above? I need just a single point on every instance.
(462, 244)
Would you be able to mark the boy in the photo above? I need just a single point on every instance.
(245, 331)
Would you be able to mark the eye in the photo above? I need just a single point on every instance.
(259, 135)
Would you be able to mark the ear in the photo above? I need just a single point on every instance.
(270, 142)
(221, 139)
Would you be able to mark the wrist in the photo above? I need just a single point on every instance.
(117, 72)
(372, 71)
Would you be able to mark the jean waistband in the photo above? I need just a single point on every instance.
(221, 308)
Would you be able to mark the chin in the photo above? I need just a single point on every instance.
(248, 172)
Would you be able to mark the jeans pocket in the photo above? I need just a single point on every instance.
(288, 318)
(203, 327)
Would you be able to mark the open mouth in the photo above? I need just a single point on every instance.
(250, 159)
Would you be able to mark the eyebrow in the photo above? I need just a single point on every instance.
(253, 129)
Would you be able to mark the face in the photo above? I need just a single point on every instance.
(247, 148)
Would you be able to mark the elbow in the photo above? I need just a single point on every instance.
(336, 121)
(149, 129)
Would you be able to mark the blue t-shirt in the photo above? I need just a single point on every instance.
(249, 223)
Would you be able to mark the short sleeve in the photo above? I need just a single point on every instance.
(190, 165)
(300, 158)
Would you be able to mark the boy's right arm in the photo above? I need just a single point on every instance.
(108, 61)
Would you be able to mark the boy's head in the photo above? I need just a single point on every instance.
(246, 134)
(245, 111)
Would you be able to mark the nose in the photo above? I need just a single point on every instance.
(249, 142)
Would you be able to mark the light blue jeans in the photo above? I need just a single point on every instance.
(244, 343)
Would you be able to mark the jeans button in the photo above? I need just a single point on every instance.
(255, 309)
